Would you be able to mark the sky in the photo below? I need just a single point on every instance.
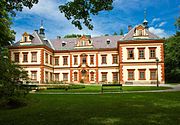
(161, 16)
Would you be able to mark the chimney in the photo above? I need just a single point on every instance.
(129, 27)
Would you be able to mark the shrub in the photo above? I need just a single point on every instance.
(81, 81)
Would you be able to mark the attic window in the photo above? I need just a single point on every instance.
(108, 41)
(25, 39)
(90, 42)
(63, 43)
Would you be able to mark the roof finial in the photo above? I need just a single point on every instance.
(145, 14)
(41, 24)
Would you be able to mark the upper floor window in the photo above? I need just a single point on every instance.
(46, 57)
(130, 53)
(91, 59)
(56, 60)
(50, 59)
(104, 60)
(65, 60)
(152, 52)
(25, 56)
(33, 56)
(16, 57)
(141, 53)
(75, 60)
(83, 60)
(130, 74)
(115, 59)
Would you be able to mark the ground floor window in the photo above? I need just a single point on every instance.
(142, 74)
(56, 76)
(92, 76)
(153, 74)
(65, 76)
(115, 76)
(130, 74)
(104, 76)
(34, 75)
(75, 76)
(46, 76)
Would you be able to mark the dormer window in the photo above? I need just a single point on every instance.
(63, 43)
(83, 43)
(108, 41)
(139, 33)
(25, 39)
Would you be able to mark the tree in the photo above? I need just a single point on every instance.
(121, 32)
(78, 11)
(115, 34)
(72, 36)
(172, 57)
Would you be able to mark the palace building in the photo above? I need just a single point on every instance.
(105, 59)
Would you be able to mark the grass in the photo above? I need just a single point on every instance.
(97, 89)
(106, 109)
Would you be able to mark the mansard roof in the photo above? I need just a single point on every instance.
(100, 42)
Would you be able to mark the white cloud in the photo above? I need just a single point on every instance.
(155, 20)
(162, 24)
(158, 31)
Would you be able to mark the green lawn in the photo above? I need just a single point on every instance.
(97, 89)
(101, 109)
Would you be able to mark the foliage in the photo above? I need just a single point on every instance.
(115, 34)
(72, 36)
(11, 77)
(172, 57)
(121, 32)
(79, 11)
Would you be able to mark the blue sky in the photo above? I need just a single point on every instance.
(161, 15)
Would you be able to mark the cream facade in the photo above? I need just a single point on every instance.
(137, 57)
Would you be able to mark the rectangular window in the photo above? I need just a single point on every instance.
(104, 76)
(46, 76)
(115, 59)
(56, 61)
(33, 56)
(75, 76)
(153, 75)
(152, 52)
(142, 74)
(46, 57)
(92, 76)
(141, 53)
(16, 57)
(25, 56)
(51, 76)
(130, 74)
(104, 61)
(56, 76)
(34, 75)
(75, 60)
(65, 60)
(51, 59)
(65, 76)
(91, 59)
(115, 76)
(130, 53)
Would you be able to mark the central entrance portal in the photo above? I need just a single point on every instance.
(84, 75)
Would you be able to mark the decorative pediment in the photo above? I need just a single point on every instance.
(140, 32)
(26, 38)
(84, 42)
